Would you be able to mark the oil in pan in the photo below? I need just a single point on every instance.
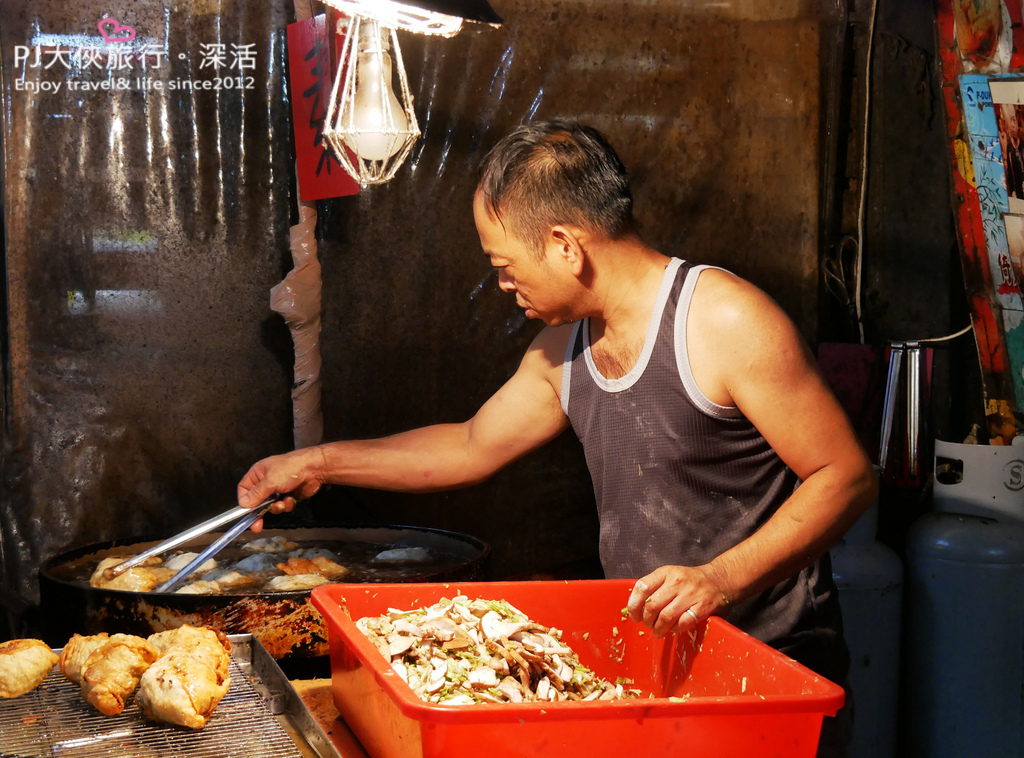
(284, 621)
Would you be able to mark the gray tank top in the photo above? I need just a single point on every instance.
(679, 479)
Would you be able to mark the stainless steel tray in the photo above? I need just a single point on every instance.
(279, 694)
(53, 721)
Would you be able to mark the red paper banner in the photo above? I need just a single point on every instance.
(309, 62)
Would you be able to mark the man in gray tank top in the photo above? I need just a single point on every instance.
(723, 466)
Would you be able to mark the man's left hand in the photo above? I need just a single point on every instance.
(674, 599)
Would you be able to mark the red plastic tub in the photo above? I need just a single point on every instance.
(718, 693)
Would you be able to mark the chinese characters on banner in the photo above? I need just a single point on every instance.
(309, 61)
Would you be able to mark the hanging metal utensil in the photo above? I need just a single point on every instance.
(896, 350)
(913, 410)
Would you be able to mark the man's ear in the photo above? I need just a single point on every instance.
(571, 245)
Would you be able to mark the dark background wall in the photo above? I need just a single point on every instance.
(141, 417)
(913, 286)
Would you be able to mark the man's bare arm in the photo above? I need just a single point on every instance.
(521, 416)
(753, 357)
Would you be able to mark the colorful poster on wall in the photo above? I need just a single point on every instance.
(1015, 243)
(983, 33)
(989, 35)
(994, 119)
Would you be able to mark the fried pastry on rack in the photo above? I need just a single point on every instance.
(181, 688)
(111, 673)
(202, 643)
(24, 664)
(77, 651)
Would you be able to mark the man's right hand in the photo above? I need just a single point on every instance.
(676, 599)
(298, 474)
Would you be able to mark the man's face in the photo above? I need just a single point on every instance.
(537, 281)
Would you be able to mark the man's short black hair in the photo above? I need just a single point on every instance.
(556, 172)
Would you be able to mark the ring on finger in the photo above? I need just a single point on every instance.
(696, 619)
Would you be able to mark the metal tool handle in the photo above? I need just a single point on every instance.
(913, 408)
(889, 411)
(217, 545)
(178, 539)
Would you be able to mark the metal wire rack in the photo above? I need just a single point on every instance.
(53, 721)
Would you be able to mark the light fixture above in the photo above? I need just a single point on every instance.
(370, 125)
(437, 17)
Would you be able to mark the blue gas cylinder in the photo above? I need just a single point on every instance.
(869, 576)
(964, 631)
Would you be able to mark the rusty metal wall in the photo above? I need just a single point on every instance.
(137, 413)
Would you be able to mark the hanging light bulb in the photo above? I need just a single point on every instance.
(370, 125)
(376, 122)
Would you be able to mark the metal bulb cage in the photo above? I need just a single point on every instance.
(395, 124)
(403, 16)
(436, 17)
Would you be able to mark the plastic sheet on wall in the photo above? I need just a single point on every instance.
(145, 207)
(145, 227)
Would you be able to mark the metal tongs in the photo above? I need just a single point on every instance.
(246, 518)
(912, 422)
